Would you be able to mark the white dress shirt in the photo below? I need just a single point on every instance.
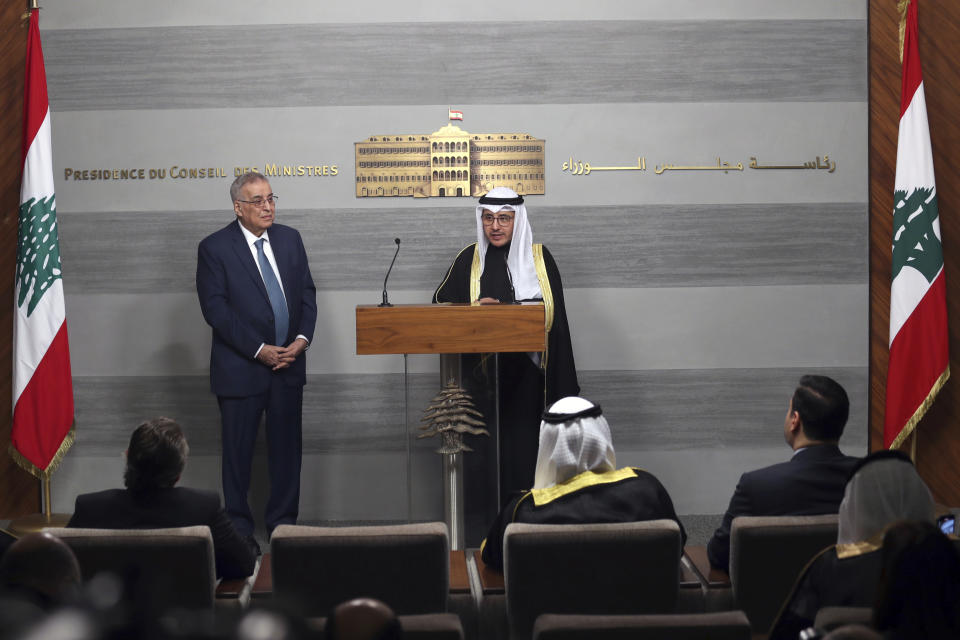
(268, 251)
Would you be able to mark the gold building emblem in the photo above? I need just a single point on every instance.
(448, 162)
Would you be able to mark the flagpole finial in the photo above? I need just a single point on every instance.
(32, 5)
(902, 10)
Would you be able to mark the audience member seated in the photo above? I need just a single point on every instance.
(919, 591)
(576, 480)
(37, 574)
(811, 482)
(884, 489)
(156, 457)
(362, 619)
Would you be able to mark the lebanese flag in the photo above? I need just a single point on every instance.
(919, 357)
(455, 115)
(42, 385)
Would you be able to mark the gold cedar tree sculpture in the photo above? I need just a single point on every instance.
(452, 414)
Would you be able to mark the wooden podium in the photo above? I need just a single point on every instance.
(451, 330)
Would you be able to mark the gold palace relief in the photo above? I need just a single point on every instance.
(449, 162)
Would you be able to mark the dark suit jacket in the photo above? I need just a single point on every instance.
(810, 483)
(163, 508)
(234, 302)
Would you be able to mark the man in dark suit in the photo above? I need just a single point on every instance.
(812, 481)
(256, 292)
(156, 457)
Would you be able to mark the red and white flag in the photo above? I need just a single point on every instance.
(919, 357)
(455, 115)
(43, 418)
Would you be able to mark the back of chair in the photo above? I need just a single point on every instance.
(723, 625)
(424, 626)
(829, 618)
(162, 569)
(767, 554)
(620, 568)
(406, 566)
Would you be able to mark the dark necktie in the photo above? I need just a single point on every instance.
(281, 318)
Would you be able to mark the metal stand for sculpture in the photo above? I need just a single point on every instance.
(450, 415)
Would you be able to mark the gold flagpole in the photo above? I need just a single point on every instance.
(37, 521)
(47, 501)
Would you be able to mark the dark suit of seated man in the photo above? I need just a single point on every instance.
(577, 482)
(155, 459)
(812, 481)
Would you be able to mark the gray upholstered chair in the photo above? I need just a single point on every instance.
(406, 566)
(767, 554)
(620, 568)
(161, 568)
(724, 625)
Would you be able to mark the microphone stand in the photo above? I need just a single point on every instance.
(385, 302)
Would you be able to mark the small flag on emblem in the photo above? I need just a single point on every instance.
(456, 115)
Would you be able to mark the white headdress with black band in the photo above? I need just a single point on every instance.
(574, 437)
(520, 259)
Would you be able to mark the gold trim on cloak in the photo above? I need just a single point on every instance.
(574, 484)
(475, 275)
(578, 482)
(547, 293)
(851, 549)
(450, 270)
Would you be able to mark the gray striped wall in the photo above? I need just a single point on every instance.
(696, 300)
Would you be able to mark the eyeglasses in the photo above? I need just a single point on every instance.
(258, 201)
(488, 219)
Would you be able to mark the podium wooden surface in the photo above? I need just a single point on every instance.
(450, 328)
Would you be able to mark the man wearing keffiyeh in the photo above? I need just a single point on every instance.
(504, 265)
(577, 481)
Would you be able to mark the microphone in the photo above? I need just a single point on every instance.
(385, 303)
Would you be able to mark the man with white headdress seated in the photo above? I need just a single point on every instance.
(505, 266)
(577, 481)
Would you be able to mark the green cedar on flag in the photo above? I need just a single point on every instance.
(42, 386)
(919, 357)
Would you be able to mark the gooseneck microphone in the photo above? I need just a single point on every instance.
(385, 303)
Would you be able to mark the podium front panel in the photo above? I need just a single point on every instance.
(450, 328)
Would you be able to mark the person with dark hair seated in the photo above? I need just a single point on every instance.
(156, 457)
(577, 480)
(811, 482)
(362, 619)
(38, 573)
(884, 488)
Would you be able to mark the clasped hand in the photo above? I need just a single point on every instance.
(281, 357)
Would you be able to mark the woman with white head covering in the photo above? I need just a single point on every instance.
(504, 265)
(577, 480)
(884, 488)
